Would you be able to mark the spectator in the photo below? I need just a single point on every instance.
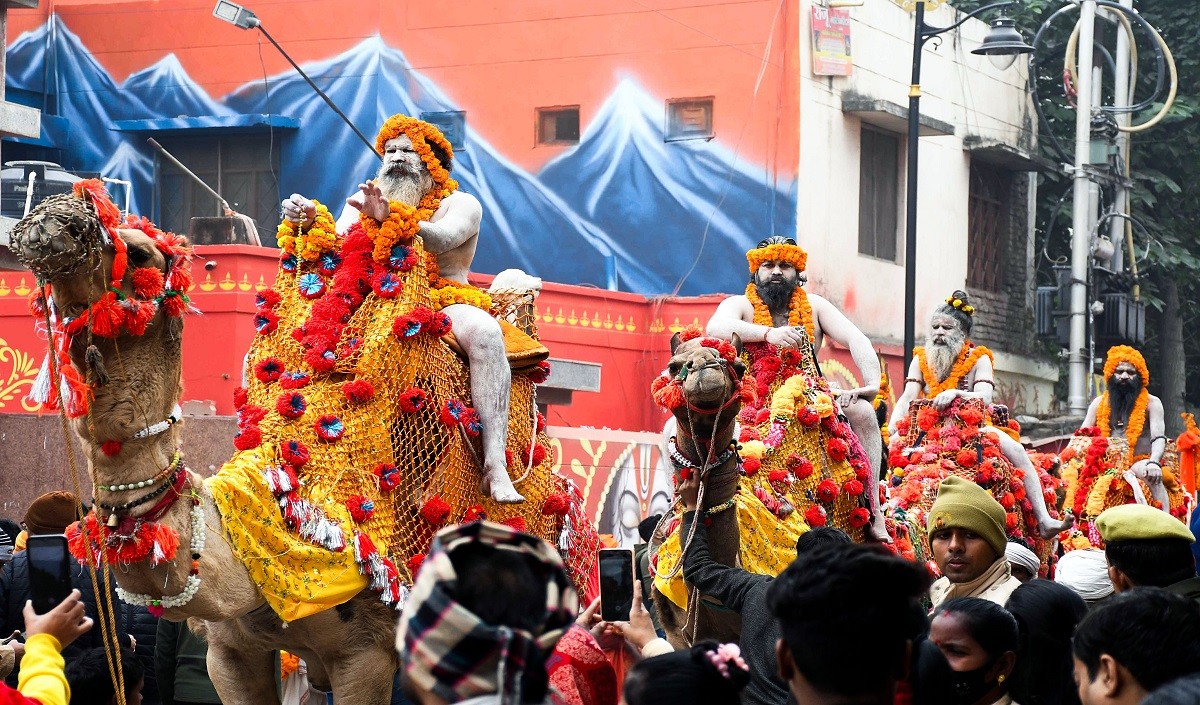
(745, 593)
(979, 640)
(641, 559)
(1047, 614)
(42, 681)
(706, 674)
(1022, 562)
(181, 665)
(487, 607)
(844, 639)
(966, 537)
(50, 514)
(92, 683)
(579, 672)
(11, 530)
(1148, 547)
(1134, 643)
(1181, 691)
(1086, 572)
(142, 626)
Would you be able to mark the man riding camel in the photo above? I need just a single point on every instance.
(775, 309)
(1127, 410)
(412, 151)
(951, 367)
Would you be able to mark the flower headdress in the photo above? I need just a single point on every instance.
(958, 307)
(1124, 353)
(777, 249)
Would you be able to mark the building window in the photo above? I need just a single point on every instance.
(242, 168)
(878, 194)
(689, 119)
(987, 226)
(452, 123)
(558, 125)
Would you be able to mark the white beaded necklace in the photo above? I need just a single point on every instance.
(157, 604)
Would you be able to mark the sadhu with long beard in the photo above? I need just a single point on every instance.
(415, 172)
(951, 367)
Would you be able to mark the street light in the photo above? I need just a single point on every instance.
(1002, 41)
(244, 18)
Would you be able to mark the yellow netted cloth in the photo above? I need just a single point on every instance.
(367, 460)
(768, 544)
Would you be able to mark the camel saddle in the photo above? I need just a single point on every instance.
(523, 350)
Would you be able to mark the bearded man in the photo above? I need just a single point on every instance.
(451, 233)
(786, 316)
(1128, 410)
(951, 367)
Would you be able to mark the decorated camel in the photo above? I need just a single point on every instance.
(346, 465)
(798, 467)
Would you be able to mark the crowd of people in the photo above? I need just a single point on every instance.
(493, 619)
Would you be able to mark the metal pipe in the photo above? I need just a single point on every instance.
(1122, 94)
(29, 192)
(910, 193)
(1078, 364)
(128, 187)
(162, 150)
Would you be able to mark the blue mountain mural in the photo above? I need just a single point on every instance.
(622, 208)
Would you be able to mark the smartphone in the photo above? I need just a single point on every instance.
(616, 584)
(49, 571)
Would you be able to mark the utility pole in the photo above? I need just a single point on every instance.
(1079, 359)
(1122, 97)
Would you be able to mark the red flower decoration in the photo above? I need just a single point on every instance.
(827, 491)
(808, 416)
(148, 282)
(474, 512)
(539, 454)
(250, 415)
(361, 508)
(248, 437)
(1011, 521)
(804, 469)
(406, 327)
(267, 298)
(435, 510)
(439, 325)
(971, 416)
(329, 428)
(541, 373)
(452, 412)
(859, 517)
(853, 488)
(557, 504)
(388, 475)
(291, 405)
(266, 321)
(838, 449)
(414, 564)
(967, 458)
(927, 418)
(359, 391)
(111, 448)
(268, 369)
(293, 380)
(751, 465)
(541, 423)
(749, 433)
(412, 400)
(239, 397)
(815, 516)
(516, 523)
(897, 458)
(1007, 500)
(294, 453)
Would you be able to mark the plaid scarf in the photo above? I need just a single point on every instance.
(447, 650)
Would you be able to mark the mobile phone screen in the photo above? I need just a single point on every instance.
(616, 584)
(49, 571)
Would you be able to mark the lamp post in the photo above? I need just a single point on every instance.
(244, 18)
(1002, 44)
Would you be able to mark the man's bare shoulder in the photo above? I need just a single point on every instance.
(737, 302)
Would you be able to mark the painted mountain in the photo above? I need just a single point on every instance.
(623, 208)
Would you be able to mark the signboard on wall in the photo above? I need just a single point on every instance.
(831, 42)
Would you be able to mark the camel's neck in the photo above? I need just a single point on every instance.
(706, 442)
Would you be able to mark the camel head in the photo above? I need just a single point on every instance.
(707, 373)
(116, 296)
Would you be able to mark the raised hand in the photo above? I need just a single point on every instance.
(370, 201)
(66, 622)
(298, 209)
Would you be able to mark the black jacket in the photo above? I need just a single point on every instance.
(138, 622)
(14, 592)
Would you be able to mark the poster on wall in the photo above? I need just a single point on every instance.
(831, 42)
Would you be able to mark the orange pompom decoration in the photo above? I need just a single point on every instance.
(967, 458)
(148, 282)
(557, 504)
(107, 316)
(751, 465)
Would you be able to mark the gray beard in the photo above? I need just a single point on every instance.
(404, 187)
(941, 357)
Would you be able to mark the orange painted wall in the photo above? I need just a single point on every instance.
(500, 60)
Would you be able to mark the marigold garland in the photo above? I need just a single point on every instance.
(309, 244)
(451, 292)
(777, 252)
(963, 364)
(799, 311)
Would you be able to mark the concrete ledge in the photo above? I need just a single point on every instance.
(892, 116)
(1025, 384)
(572, 375)
(19, 120)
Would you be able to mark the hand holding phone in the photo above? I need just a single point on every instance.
(616, 584)
(65, 622)
(49, 570)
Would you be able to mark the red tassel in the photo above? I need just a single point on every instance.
(557, 504)
(516, 523)
(148, 282)
(435, 510)
(414, 564)
(110, 448)
(107, 316)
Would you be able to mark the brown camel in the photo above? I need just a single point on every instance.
(705, 427)
(136, 381)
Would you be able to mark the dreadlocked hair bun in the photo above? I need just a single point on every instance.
(958, 306)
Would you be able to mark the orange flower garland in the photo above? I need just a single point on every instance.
(1137, 417)
(312, 243)
(799, 311)
(777, 252)
(967, 357)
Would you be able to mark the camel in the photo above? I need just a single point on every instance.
(704, 429)
(133, 380)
